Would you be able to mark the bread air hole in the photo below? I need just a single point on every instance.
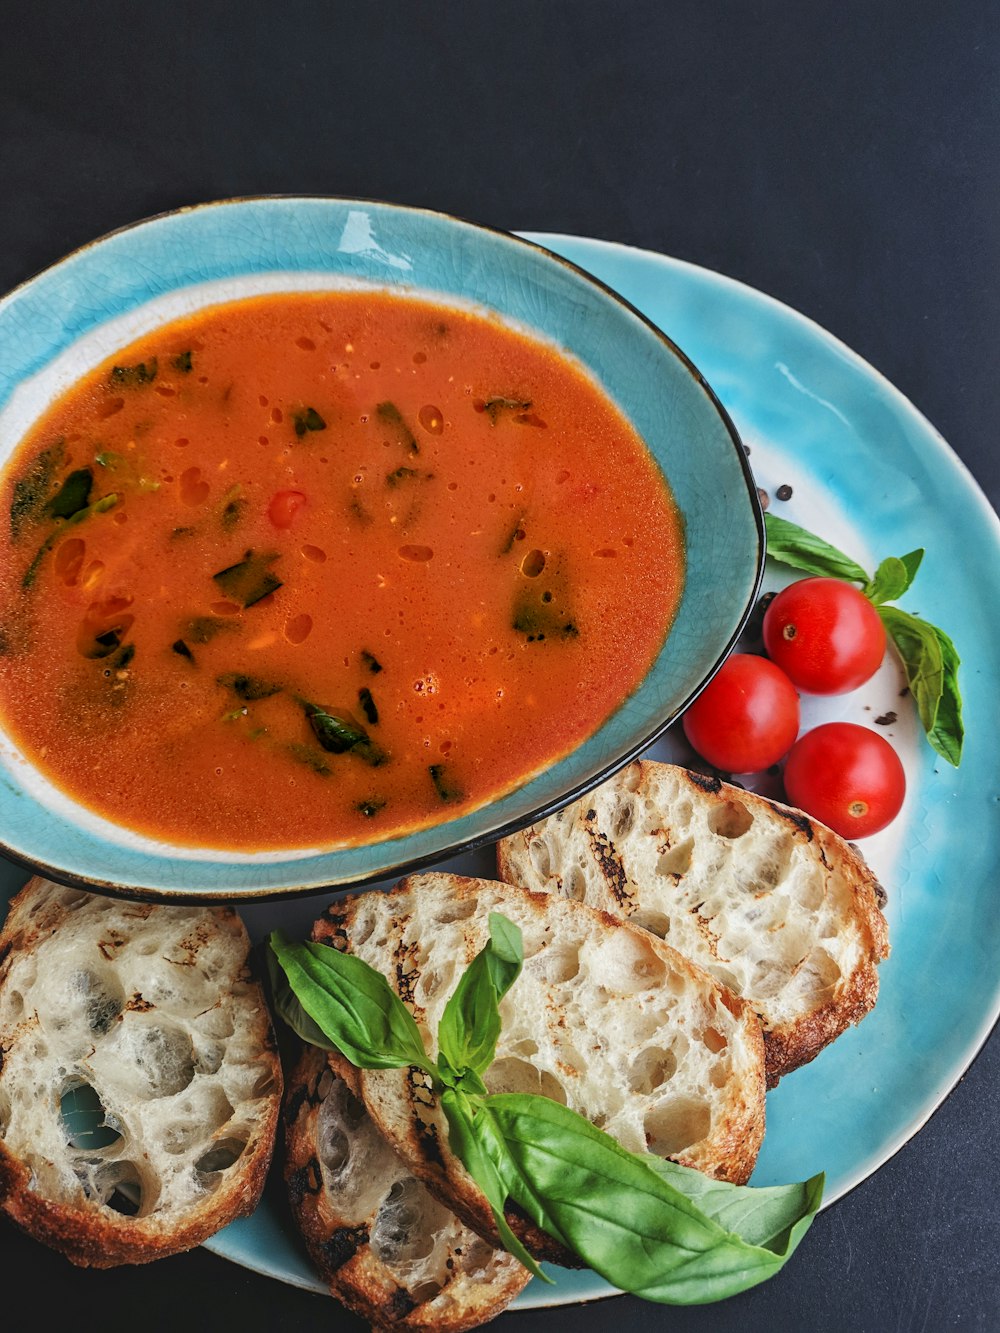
(808, 889)
(163, 1055)
(510, 1074)
(624, 963)
(657, 923)
(461, 909)
(399, 1234)
(730, 820)
(677, 1124)
(541, 861)
(79, 998)
(84, 1119)
(116, 1185)
(623, 818)
(651, 1069)
(221, 1156)
(816, 975)
(676, 861)
(575, 883)
(201, 1112)
(560, 963)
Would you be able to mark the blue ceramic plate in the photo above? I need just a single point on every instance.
(869, 473)
(74, 315)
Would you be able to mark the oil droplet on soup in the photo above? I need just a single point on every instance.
(380, 591)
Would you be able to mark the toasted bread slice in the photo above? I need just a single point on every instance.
(604, 1017)
(776, 906)
(140, 1088)
(386, 1247)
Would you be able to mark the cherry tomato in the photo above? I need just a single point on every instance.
(825, 635)
(747, 716)
(284, 506)
(846, 776)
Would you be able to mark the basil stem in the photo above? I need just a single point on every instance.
(475, 1147)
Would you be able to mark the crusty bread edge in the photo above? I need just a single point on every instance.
(100, 1241)
(787, 1046)
(342, 1270)
(422, 1152)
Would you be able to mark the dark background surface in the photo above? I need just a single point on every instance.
(841, 158)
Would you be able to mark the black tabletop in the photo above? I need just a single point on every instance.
(841, 158)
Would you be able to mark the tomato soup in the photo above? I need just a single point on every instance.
(313, 569)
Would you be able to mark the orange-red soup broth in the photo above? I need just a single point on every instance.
(312, 569)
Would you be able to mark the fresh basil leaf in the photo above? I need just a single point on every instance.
(470, 1024)
(948, 732)
(250, 579)
(923, 661)
(288, 1007)
(765, 1217)
(353, 1005)
(472, 1139)
(889, 582)
(801, 549)
(622, 1218)
(911, 562)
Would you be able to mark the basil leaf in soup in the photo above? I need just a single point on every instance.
(250, 579)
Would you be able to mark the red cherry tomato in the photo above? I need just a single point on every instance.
(284, 506)
(847, 777)
(825, 635)
(747, 716)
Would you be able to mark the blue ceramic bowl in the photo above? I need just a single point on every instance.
(75, 314)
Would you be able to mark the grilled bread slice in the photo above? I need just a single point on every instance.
(604, 1017)
(776, 906)
(140, 1088)
(385, 1246)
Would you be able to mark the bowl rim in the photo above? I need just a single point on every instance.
(390, 870)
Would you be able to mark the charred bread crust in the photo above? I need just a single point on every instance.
(623, 848)
(459, 1285)
(72, 1014)
(423, 934)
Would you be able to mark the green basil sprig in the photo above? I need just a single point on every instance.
(929, 657)
(650, 1227)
